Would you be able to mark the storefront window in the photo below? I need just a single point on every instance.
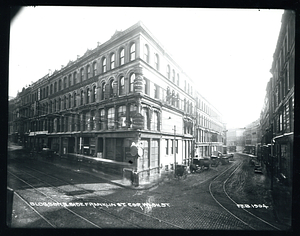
(102, 117)
(122, 116)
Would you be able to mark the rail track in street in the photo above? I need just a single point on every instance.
(122, 218)
(217, 190)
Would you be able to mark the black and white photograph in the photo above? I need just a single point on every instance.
(151, 118)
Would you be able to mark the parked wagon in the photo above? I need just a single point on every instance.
(199, 164)
(180, 171)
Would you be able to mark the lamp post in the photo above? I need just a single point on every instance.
(174, 146)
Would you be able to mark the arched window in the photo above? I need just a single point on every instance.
(88, 72)
(44, 92)
(102, 118)
(59, 104)
(121, 116)
(102, 90)
(173, 76)
(121, 56)
(50, 107)
(122, 85)
(111, 85)
(81, 75)
(81, 97)
(94, 68)
(131, 82)
(55, 87)
(65, 102)
(65, 82)
(51, 89)
(156, 61)
(59, 85)
(94, 94)
(168, 71)
(74, 99)
(47, 91)
(146, 53)
(111, 118)
(132, 52)
(74, 78)
(70, 80)
(70, 100)
(104, 65)
(112, 61)
(88, 95)
(54, 105)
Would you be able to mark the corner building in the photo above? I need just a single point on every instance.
(126, 101)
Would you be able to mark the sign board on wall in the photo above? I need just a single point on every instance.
(138, 121)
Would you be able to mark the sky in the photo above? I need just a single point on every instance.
(227, 52)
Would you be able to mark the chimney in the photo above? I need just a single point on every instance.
(98, 44)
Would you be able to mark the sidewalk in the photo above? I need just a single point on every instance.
(86, 164)
(281, 197)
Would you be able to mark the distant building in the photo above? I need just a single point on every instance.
(126, 101)
(235, 139)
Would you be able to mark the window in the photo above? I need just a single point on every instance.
(168, 71)
(156, 91)
(81, 97)
(59, 85)
(167, 147)
(88, 72)
(70, 80)
(81, 75)
(146, 86)
(59, 104)
(122, 116)
(112, 61)
(50, 107)
(177, 79)
(156, 61)
(102, 90)
(65, 102)
(51, 89)
(104, 65)
(74, 78)
(132, 111)
(94, 94)
(154, 154)
(145, 113)
(102, 118)
(65, 82)
(88, 95)
(111, 86)
(47, 92)
(146, 53)
(94, 68)
(173, 76)
(70, 100)
(154, 121)
(131, 82)
(111, 118)
(132, 52)
(122, 86)
(74, 99)
(122, 60)
(93, 120)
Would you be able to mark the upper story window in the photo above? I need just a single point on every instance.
(111, 86)
(88, 72)
(112, 61)
(59, 85)
(74, 78)
(177, 79)
(70, 80)
(74, 99)
(111, 118)
(122, 57)
(55, 87)
(81, 75)
(122, 85)
(102, 90)
(121, 116)
(168, 71)
(65, 82)
(88, 96)
(132, 52)
(94, 94)
(173, 76)
(104, 65)
(146, 53)
(70, 100)
(156, 61)
(131, 82)
(81, 97)
(59, 104)
(65, 102)
(47, 92)
(51, 89)
(94, 68)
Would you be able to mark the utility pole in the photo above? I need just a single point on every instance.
(174, 146)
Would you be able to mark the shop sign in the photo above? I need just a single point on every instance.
(138, 121)
(38, 133)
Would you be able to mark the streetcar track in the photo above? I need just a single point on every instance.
(99, 196)
(83, 218)
(228, 197)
